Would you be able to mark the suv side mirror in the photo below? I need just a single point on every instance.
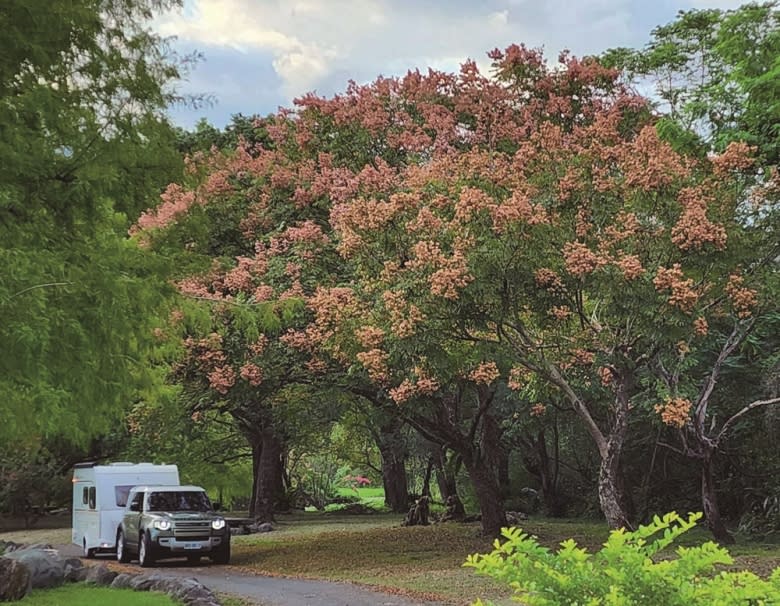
(135, 507)
(216, 506)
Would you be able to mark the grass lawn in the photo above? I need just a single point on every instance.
(83, 595)
(423, 561)
(373, 497)
(371, 549)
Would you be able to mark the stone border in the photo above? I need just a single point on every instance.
(42, 567)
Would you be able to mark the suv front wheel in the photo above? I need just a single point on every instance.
(145, 551)
(221, 555)
(122, 555)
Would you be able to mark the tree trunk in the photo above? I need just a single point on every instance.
(502, 469)
(548, 475)
(268, 470)
(257, 448)
(426, 486)
(395, 484)
(489, 497)
(446, 475)
(393, 450)
(709, 501)
(612, 496)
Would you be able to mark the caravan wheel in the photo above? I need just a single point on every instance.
(88, 553)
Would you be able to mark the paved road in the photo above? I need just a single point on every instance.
(273, 591)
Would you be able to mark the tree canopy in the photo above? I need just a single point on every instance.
(85, 145)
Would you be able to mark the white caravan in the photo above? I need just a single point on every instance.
(100, 495)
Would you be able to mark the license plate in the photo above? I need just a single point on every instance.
(192, 546)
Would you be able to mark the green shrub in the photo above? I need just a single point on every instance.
(629, 570)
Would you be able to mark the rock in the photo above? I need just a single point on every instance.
(188, 591)
(75, 571)
(192, 593)
(122, 580)
(454, 511)
(513, 518)
(35, 547)
(9, 546)
(145, 582)
(418, 514)
(263, 527)
(15, 580)
(100, 575)
(241, 530)
(46, 566)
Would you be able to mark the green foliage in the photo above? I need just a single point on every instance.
(315, 479)
(718, 75)
(763, 517)
(30, 481)
(83, 87)
(631, 568)
(242, 129)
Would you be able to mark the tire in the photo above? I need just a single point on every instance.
(145, 551)
(193, 559)
(221, 555)
(88, 553)
(122, 555)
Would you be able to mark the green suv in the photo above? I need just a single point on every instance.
(171, 521)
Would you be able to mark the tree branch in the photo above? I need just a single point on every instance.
(745, 410)
(47, 285)
(733, 341)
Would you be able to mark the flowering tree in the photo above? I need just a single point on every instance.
(253, 253)
(244, 283)
(450, 233)
(560, 229)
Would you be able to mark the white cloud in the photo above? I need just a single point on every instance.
(722, 4)
(320, 44)
(314, 40)
(305, 37)
(499, 18)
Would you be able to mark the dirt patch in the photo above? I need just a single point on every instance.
(54, 536)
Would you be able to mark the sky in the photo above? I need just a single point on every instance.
(258, 55)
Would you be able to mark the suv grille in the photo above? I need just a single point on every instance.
(191, 530)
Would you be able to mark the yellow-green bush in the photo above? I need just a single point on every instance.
(629, 570)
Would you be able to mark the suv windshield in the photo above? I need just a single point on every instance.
(179, 501)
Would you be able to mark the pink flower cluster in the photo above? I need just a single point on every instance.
(518, 377)
(485, 373)
(693, 230)
(222, 378)
(682, 296)
(375, 362)
(422, 385)
(252, 374)
(579, 260)
(743, 299)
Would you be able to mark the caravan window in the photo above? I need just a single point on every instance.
(92, 497)
(85, 496)
(121, 493)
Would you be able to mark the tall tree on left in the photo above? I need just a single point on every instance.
(84, 144)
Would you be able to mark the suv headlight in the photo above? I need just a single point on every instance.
(218, 524)
(162, 524)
